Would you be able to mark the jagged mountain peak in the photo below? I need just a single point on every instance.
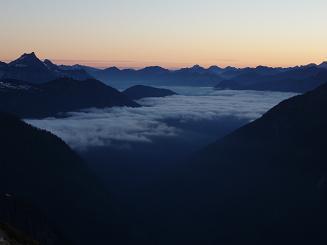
(27, 59)
(196, 67)
(32, 54)
(29, 56)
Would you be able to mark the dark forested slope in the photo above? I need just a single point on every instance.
(266, 182)
(42, 170)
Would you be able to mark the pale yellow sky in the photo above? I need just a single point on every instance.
(170, 33)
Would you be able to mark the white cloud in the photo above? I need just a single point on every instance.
(101, 127)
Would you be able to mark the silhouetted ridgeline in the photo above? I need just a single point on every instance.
(266, 183)
(140, 91)
(42, 170)
(293, 79)
(155, 75)
(299, 79)
(30, 69)
(58, 96)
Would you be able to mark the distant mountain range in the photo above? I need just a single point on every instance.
(58, 96)
(156, 75)
(40, 169)
(296, 79)
(266, 183)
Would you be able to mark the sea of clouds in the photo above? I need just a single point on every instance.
(102, 127)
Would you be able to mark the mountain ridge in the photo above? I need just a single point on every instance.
(265, 183)
(255, 78)
(29, 68)
(58, 96)
(40, 169)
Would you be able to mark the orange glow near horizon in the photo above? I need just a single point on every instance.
(170, 33)
(172, 64)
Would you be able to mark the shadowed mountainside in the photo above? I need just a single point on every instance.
(265, 183)
(58, 96)
(42, 170)
(20, 215)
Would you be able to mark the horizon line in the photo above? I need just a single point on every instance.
(103, 64)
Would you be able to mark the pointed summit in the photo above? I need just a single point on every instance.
(29, 55)
(198, 69)
(29, 68)
(28, 60)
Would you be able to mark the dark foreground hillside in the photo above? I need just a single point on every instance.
(24, 220)
(11, 236)
(44, 172)
(266, 183)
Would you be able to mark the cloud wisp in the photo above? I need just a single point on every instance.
(121, 125)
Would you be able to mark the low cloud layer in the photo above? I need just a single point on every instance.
(102, 127)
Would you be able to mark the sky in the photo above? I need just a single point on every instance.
(169, 33)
